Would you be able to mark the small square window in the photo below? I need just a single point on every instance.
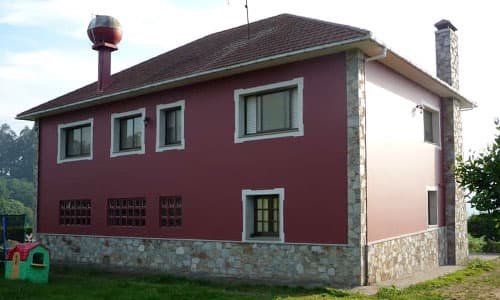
(127, 133)
(127, 212)
(432, 208)
(263, 215)
(171, 211)
(75, 141)
(269, 111)
(431, 126)
(170, 126)
(74, 212)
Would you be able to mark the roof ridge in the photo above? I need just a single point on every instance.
(358, 29)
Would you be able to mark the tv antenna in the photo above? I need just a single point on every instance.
(248, 20)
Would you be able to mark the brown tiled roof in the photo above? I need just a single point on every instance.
(276, 35)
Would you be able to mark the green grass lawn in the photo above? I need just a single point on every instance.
(79, 283)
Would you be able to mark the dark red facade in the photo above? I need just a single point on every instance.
(212, 170)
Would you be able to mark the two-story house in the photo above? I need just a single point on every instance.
(292, 150)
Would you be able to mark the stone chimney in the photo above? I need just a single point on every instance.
(447, 53)
(451, 128)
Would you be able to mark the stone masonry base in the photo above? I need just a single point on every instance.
(395, 258)
(297, 264)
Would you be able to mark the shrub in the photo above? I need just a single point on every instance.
(492, 247)
(476, 244)
(486, 225)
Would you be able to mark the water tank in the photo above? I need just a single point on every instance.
(104, 29)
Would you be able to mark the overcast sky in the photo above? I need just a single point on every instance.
(45, 51)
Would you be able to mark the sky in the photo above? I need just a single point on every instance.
(45, 52)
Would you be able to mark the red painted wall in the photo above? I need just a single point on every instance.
(212, 170)
(400, 165)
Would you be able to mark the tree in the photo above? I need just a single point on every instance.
(14, 207)
(7, 141)
(22, 166)
(480, 176)
(16, 152)
(17, 189)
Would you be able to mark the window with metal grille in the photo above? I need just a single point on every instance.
(75, 212)
(266, 215)
(127, 212)
(171, 211)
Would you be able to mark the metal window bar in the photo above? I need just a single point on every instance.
(127, 212)
(171, 211)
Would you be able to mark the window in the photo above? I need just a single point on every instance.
(127, 133)
(170, 126)
(269, 111)
(37, 258)
(171, 211)
(431, 126)
(432, 207)
(75, 141)
(127, 212)
(130, 133)
(74, 212)
(263, 215)
(265, 218)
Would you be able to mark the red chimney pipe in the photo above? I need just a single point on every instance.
(104, 65)
(105, 32)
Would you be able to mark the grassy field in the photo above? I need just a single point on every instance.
(480, 280)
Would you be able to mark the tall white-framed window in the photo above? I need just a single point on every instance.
(269, 111)
(127, 133)
(170, 126)
(432, 131)
(432, 206)
(263, 215)
(75, 141)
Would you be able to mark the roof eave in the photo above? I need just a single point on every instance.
(415, 73)
(264, 62)
(366, 43)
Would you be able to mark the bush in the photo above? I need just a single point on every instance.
(492, 247)
(476, 245)
(486, 225)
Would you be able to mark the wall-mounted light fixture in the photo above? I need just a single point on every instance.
(146, 121)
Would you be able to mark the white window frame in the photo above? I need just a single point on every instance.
(115, 133)
(160, 126)
(239, 100)
(427, 190)
(436, 124)
(248, 217)
(61, 141)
